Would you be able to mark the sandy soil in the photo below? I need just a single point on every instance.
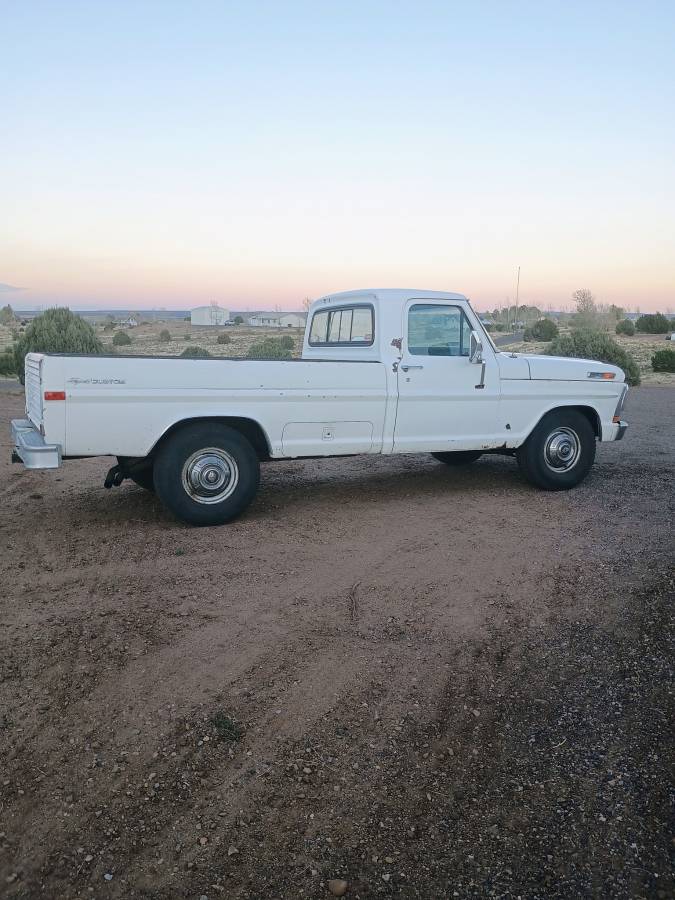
(425, 682)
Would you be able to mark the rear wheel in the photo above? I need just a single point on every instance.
(458, 457)
(206, 474)
(560, 451)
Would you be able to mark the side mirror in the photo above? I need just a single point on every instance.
(476, 348)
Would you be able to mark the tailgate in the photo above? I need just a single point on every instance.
(33, 371)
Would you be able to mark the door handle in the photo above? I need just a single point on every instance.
(406, 367)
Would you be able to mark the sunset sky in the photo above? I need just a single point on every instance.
(254, 153)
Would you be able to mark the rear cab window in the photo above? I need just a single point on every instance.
(343, 326)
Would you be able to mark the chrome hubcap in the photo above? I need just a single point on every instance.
(210, 475)
(562, 449)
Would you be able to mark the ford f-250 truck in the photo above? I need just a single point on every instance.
(382, 371)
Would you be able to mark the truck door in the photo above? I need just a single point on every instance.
(443, 402)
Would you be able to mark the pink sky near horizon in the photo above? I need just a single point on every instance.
(256, 154)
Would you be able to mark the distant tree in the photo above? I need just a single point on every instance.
(195, 353)
(165, 336)
(238, 320)
(617, 313)
(586, 315)
(56, 331)
(121, 339)
(625, 326)
(7, 316)
(653, 324)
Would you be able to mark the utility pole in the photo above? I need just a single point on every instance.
(517, 293)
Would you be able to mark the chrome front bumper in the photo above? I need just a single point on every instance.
(621, 430)
(30, 447)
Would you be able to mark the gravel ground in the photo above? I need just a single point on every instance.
(418, 681)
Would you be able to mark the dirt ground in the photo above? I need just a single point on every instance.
(425, 682)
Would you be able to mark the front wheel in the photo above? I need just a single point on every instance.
(560, 451)
(458, 457)
(206, 474)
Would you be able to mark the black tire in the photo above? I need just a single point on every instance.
(458, 457)
(206, 473)
(139, 471)
(560, 451)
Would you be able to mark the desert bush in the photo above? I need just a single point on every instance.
(500, 326)
(625, 326)
(287, 342)
(165, 336)
(121, 339)
(664, 360)
(195, 353)
(8, 364)
(56, 331)
(270, 348)
(187, 337)
(587, 344)
(543, 330)
(224, 339)
(655, 323)
(238, 320)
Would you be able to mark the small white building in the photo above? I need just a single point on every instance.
(278, 319)
(264, 319)
(209, 315)
(292, 320)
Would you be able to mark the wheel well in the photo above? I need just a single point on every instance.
(588, 411)
(249, 428)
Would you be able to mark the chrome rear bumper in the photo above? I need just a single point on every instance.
(30, 447)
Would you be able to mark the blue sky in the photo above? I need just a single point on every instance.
(254, 153)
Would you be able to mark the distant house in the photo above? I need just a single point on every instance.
(129, 322)
(209, 315)
(292, 320)
(264, 319)
(277, 319)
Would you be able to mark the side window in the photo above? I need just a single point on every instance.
(435, 330)
(349, 325)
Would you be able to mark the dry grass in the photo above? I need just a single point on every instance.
(145, 339)
(640, 346)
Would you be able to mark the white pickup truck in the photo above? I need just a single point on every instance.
(382, 371)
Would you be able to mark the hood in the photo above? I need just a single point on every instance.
(565, 368)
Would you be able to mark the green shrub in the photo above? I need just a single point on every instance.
(543, 330)
(121, 339)
(8, 364)
(56, 331)
(224, 339)
(286, 341)
(664, 360)
(187, 337)
(625, 326)
(269, 348)
(500, 326)
(195, 353)
(653, 324)
(587, 344)
(238, 320)
(165, 336)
